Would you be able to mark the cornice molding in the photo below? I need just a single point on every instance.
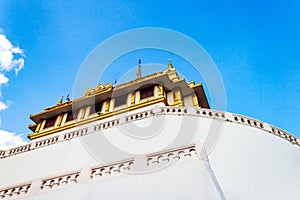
(156, 111)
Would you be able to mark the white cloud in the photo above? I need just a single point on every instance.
(10, 140)
(8, 53)
(19, 64)
(11, 58)
(3, 106)
(3, 79)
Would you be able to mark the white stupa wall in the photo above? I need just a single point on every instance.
(247, 162)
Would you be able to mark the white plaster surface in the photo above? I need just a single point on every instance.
(247, 162)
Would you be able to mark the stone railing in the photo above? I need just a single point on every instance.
(140, 115)
(285, 135)
(264, 126)
(43, 143)
(153, 160)
(229, 117)
(46, 142)
(19, 149)
(103, 171)
(59, 181)
(2, 153)
(15, 191)
(156, 111)
(170, 156)
(74, 134)
(106, 125)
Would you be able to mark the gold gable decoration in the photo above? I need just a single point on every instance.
(100, 88)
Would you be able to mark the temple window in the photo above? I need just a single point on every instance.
(72, 115)
(147, 92)
(121, 100)
(95, 108)
(50, 122)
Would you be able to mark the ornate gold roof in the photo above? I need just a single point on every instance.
(167, 80)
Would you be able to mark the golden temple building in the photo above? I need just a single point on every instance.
(154, 137)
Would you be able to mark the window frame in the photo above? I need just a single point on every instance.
(120, 100)
(95, 108)
(146, 92)
(50, 122)
(71, 113)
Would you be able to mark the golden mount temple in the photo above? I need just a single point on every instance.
(154, 137)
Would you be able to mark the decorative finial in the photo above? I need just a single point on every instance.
(170, 66)
(68, 98)
(139, 73)
(60, 101)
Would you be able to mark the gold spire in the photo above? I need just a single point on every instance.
(139, 73)
(171, 71)
(170, 66)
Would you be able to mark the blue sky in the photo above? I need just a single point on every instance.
(255, 45)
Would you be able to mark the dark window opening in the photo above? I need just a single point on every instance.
(121, 100)
(95, 108)
(72, 115)
(50, 122)
(147, 92)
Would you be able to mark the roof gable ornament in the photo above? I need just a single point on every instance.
(100, 88)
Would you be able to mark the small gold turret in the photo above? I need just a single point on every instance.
(60, 101)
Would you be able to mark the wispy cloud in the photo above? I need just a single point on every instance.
(10, 140)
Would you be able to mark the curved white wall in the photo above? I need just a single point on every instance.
(245, 161)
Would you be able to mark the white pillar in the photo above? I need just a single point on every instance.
(111, 105)
(156, 91)
(87, 112)
(129, 99)
(137, 97)
(170, 98)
